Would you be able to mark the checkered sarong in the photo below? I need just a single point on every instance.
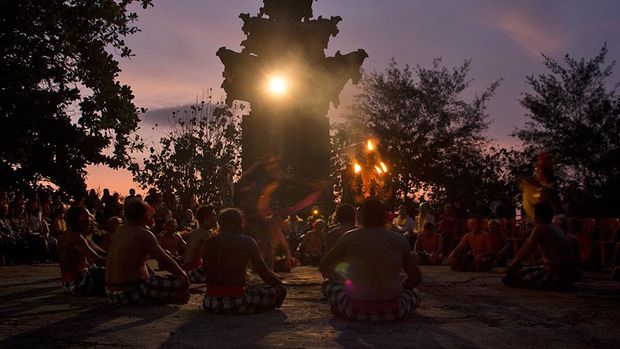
(91, 282)
(256, 299)
(342, 305)
(155, 290)
(195, 271)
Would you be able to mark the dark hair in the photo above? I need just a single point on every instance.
(373, 213)
(205, 212)
(136, 210)
(73, 216)
(230, 219)
(345, 214)
(544, 212)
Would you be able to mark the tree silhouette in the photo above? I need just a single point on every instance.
(61, 106)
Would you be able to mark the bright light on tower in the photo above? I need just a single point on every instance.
(370, 146)
(277, 85)
(357, 168)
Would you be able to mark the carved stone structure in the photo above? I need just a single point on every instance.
(283, 40)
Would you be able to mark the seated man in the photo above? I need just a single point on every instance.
(499, 243)
(171, 241)
(127, 277)
(74, 254)
(312, 244)
(473, 253)
(226, 257)
(192, 258)
(113, 224)
(559, 267)
(363, 271)
(428, 246)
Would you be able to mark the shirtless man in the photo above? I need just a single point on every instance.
(192, 258)
(428, 246)
(345, 218)
(74, 254)
(363, 272)
(559, 262)
(473, 253)
(127, 278)
(171, 241)
(113, 224)
(312, 244)
(226, 257)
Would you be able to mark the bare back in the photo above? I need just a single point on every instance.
(226, 257)
(371, 259)
(127, 256)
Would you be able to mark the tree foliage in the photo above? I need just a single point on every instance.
(429, 134)
(205, 137)
(574, 115)
(61, 105)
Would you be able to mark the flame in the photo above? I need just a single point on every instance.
(357, 168)
(370, 146)
(383, 166)
(379, 171)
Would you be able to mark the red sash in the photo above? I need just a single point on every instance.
(225, 291)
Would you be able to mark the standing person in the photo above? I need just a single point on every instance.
(363, 272)
(474, 252)
(274, 242)
(192, 258)
(226, 257)
(131, 197)
(559, 262)
(127, 278)
(345, 218)
(80, 265)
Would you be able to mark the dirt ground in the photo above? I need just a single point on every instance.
(461, 310)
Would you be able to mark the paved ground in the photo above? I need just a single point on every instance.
(464, 310)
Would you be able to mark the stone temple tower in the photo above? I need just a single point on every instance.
(285, 75)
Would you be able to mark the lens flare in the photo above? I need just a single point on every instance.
(277, 85)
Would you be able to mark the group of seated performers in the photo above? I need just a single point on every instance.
(362, 268)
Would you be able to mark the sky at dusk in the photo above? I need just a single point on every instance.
(175, 58)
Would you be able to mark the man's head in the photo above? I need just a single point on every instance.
(132, 192)
(138, 212)
(231, 220)
(494, 226)
(373, 213)
(424, 208)
(345, 214)
(543, 213)
(207, 216)
(474, 224)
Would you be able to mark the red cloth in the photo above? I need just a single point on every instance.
(225, 291)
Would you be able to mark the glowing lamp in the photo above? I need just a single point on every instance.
(370, 146)
(357, 168)
(383, 166)
(277, 85)
(315, 212)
